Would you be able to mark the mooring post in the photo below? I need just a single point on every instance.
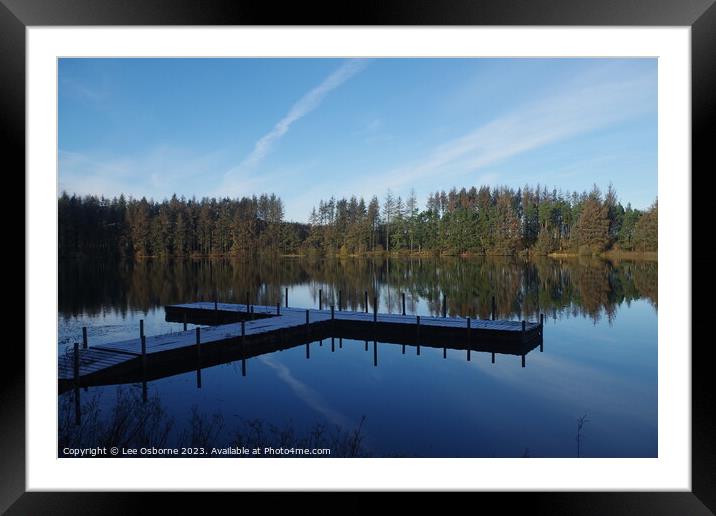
(494, 308)
(493, 357)
(403, 349)
(340, 342)
(333, 315)
(286, 296)
(84, 337)
(366, 345)
(375, 353)
(469, 330)
(366, 301)
(340, 299)
(141, 328)
(375, 309)
(523, 360)
(541, 324)
(524, 331)
(320, 299)
(306, 318)
(278, 308)
(403, 303)
(444, 352)
(444, 305)
(308, 350)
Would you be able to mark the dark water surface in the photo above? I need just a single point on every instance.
(599, 359)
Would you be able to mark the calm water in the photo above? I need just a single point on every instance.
(599, 359)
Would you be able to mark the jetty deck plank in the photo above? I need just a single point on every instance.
(99, 357)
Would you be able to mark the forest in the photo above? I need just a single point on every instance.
(481, 221)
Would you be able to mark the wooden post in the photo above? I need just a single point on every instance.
(493, 358)
(84, 337)
(332, 313)
(333, 344)
(366, 301)
(184, 321)
(403, 303)
(340, 299)
(278, 308)
(375, 354)
(541, 324)
(243, 366)
(444, 352)
(494, 308)
(375, 309)
(286, 297)
(417, 326)
(524, 334)
(523, 360)
(444, 305)
(141, 328)
(403, 349)
(308, 350)
(469, 330)
(306, 318)
(468, 354)
(340, 342)
(320, 299)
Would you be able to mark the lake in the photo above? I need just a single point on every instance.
(591, 391)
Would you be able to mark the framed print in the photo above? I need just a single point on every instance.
(412, 251)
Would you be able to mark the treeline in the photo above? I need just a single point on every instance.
(176, 227)
(493, 221)
(497, 221)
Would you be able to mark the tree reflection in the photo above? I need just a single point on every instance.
(590, 287)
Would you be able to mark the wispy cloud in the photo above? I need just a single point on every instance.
(577, 110)
(307, 103)
(158, 173)
(310, 396)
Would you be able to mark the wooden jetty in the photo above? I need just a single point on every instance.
(243, 331)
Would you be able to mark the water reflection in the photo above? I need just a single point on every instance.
(521, 288)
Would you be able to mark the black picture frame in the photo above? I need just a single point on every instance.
(700, 15)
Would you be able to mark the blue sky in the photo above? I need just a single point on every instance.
(308, 129)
